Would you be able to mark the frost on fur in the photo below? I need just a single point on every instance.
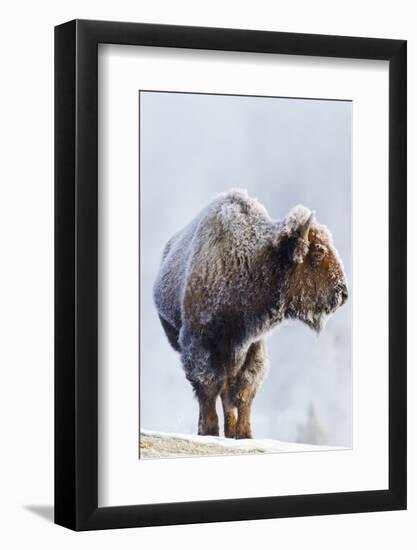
(225, 281)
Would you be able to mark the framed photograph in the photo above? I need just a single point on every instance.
(230, 284)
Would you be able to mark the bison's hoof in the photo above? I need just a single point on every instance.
(230, 427)
(212, 431)
(244, 435)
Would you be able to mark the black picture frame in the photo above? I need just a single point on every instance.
(76, 272)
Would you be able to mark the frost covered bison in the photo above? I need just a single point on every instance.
(227, 279)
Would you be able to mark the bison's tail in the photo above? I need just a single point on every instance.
(171, 332)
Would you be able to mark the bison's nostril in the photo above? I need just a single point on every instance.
(344, 296)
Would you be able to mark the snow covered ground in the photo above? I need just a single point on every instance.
(155, 444)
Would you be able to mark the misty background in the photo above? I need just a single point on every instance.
(284, 152)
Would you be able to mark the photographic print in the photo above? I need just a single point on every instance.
(245, 274)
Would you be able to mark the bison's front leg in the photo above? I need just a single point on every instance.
(246, 384)
(243, 428)
(229, 412)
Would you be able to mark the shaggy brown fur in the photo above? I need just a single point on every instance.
(226, 280)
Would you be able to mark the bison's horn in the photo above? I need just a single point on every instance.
(305, 228)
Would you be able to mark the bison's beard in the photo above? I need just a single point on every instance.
(317, 320)
(315, 314)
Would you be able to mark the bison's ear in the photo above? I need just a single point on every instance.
(300, 250)
(294, 239)
(291, 249)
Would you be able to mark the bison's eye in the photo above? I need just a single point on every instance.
(318, 251)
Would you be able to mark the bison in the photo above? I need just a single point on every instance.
(229, 277)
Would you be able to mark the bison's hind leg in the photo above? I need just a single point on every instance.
(171, 332)
(207, 381)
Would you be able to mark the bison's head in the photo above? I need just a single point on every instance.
(315, 285)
